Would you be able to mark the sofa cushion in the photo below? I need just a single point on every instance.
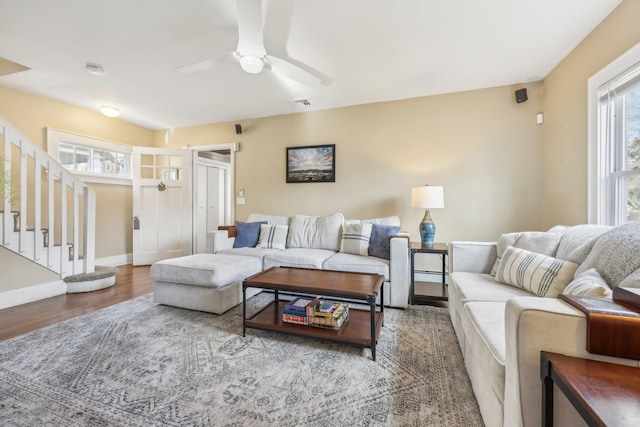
(360, 264)
(273, 236)
(616, 254)
(577, 241)
(539, 274)
(315, 232)
(259, 253)
(355, 239)
(588, 284)
(209, 270)
(269, 219)
(485, 349)
(247, 234)
(534, 241)
(482, 287)
(297, 257)
(389, 220)
(380, 241)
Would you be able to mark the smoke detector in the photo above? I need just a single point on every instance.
(94, 69)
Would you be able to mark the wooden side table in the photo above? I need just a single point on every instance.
(604, 394)
(437, 291)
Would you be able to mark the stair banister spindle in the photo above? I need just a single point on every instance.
(7, 218)
(37, 206)
(58, 218)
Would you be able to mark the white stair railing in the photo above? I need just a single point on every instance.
(67, 205)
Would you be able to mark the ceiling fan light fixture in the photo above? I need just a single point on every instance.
(109, 111)
(252, 64)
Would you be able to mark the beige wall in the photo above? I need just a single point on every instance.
(31, 114)
(564, 100)
(481, 145)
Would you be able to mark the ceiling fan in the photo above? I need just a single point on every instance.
(251, 53)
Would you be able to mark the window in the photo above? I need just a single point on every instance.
(95, 160)
(614, 182)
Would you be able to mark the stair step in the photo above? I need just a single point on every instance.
(101, 278)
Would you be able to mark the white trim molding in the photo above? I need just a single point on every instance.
(597, 210)
(115, 261)
(21, 296)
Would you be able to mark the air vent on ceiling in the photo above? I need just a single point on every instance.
(302, 101)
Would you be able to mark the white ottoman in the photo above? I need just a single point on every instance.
(203, 282)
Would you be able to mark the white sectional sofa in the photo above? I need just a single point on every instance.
(502, 328)
(321, 242)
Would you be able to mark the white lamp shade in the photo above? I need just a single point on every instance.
(428, 197)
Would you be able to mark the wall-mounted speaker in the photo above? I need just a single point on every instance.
(238, 129)
(521, 95)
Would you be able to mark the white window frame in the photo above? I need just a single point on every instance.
(601, 198)
(55, 137)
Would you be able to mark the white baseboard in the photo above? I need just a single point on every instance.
(32, 293)
(114, 261)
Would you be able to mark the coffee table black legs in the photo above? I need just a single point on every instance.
(372, 305)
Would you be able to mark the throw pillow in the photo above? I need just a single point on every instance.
(247, 234)
(380, 241)
(355, 239)
(539, 274)
(616, 254)
(315, 232)
(535, 241)
(577, 241)
(632, 280)
(588, 284)
(273, 236)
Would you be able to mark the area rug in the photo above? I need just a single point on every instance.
(141, 364)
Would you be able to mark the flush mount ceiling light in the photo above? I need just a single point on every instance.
(94, 69)
(109, 111)
(251, 64)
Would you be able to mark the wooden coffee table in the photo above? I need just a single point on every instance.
(363, 326)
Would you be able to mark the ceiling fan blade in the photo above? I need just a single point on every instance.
(198, 66)
(227, 58)
(250, 40)
(291, 71)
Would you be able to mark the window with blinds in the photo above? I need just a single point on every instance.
(619, 147)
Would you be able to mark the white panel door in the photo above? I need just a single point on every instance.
(161, 208)
(210, 202)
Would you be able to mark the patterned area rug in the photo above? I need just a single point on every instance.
(140, 364)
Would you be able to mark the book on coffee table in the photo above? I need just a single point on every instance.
(300, 304)
(335, 320)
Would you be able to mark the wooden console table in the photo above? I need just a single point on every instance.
(604, 394)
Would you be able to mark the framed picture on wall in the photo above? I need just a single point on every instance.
(313, 163)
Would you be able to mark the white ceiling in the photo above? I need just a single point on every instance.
(363, 50)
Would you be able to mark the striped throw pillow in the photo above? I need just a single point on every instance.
(539, 274)
(355, 239)
(589, 284)
(273, 236)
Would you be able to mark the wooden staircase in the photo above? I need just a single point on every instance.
(47, 215)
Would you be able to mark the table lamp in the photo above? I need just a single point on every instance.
(427, 197)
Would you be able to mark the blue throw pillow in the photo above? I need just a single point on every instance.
(379, 242)
(247, 234)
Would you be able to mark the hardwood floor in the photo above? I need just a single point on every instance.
(131, 282)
